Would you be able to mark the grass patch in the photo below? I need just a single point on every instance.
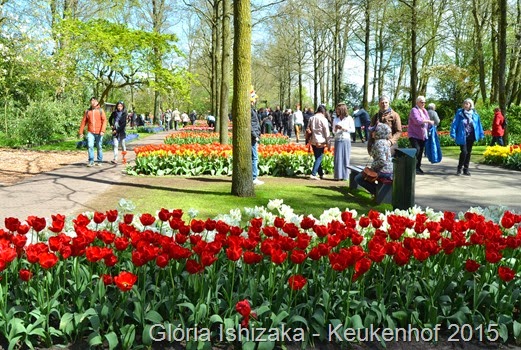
(454, 151)
(211, 196)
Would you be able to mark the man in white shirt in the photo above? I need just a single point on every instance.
(298, 121)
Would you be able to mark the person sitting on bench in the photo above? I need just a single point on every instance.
(382, 161)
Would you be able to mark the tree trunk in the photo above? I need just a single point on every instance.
(218, 52)
(367, 43)
(242, 184)
(225, 88)
(494, 81)
(479, 50)
(502, 50)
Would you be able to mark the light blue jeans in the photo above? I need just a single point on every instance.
(254, 159)
(98, 140)
(318, 152)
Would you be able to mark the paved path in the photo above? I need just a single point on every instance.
(66, 190)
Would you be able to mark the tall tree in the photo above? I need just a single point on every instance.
(242, 184)
(225, 70)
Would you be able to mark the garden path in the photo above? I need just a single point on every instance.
(71, 188)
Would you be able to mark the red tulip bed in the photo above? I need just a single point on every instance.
(265, 276)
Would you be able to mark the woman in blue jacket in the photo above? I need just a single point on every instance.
(466, 128)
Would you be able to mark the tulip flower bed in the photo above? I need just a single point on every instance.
(506, 156)
(121, 280)
(203, 138)
(216, 159)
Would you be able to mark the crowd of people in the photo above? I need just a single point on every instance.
(320, 129)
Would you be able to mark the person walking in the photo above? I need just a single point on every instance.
(118, 122)
(177, 118)
(365, 121)
(417, 129)
(96, 121)
(319, 128)
(498, 128)
(255, 138)
(433, 115)
(387, 116)
(358, 126)
(466, 128)
(343, 126)
(298, 122)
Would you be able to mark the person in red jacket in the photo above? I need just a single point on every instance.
(498, 128)
(96, 121)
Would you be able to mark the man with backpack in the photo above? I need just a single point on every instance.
(96, 121)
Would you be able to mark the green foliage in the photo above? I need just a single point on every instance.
(42, 122)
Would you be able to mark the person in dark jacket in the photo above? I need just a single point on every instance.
(118, 122)
(255, 135)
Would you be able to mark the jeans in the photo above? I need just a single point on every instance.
(117, 141)
(254, 159)
(419, 145)
(465, 153)
(369, 186)
(318, 152)
(98, 140)
(498, 139)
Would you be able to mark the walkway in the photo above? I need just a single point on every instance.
(66, 190)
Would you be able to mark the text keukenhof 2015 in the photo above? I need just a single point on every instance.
(335, 333)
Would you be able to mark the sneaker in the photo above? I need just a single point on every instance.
(114, 161)
(458, 173)
(313, 177)
(419, 171)
(90, 164)
(466, 172)
(97, 163)
(258, 182)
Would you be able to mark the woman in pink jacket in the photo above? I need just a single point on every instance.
(417, 130)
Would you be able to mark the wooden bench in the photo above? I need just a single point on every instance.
(384, 187)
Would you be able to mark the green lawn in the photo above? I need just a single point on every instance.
(211, 196)
(454, 151)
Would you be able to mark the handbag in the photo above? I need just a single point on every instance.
(308, 135)
(369, 174)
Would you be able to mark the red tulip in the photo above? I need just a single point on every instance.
(193, 266)
(125, 281)
(506, 274)
(251, 258)
(11, 224)
(19, 240)
(99, 217)
(107, 279)
(58, 222)
(244, 309)
(38, 224)
(471, 265)
(47, 260)
(298, 256)
(162, 260)
(25, 275)
(112, 215)
(147, 219)
(297, 282)
(128, 218)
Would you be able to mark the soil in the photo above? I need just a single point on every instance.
(17, 165)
